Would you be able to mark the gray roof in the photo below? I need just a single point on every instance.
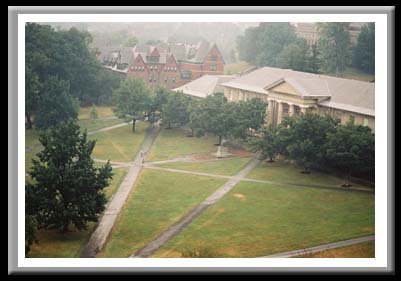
(345, 94)
(205, 85)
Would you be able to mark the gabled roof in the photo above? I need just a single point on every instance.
(307, 87)
(205, 85)
(346, 94)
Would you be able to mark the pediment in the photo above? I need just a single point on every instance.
(285, 88)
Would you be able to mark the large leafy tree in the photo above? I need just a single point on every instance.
(133, 99)
(306, 137)
(266, 142)
(159, 99)
(66, 187)
(55, 105)
(294, 56)
(262, 45)
(364, 51)
(215, 115)
(351, 149)
(175, 111)
(248, 117)
(334, 46)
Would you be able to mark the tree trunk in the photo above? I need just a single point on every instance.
(169, 125)
(133, 125)
(192, 132)
(220, 140)
(29, 122)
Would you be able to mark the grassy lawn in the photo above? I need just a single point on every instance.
(102, 112)
(362, 250)
(236, 68)
(222, 167)
(172, 143)
(287, 173)
(54, 244)
(92, 125)
(159, 199)
(353, 73)
(119, 144)
(260, 219)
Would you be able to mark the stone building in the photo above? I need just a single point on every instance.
(309, 31)
(289, 92)
(169, 65)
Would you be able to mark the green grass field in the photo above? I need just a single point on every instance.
(55, 244)
(119, 144)
(260, 219)
(102, 111)
(92, 125)
(280, 171)
(158, 200)
(222, 167)
(172, 143)
(362, 250)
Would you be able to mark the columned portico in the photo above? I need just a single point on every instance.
(279, 112)
(291, 109)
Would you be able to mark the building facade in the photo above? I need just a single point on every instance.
(168, 65)
(289, 93)
(309, 31)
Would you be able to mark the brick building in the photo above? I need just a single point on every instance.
(170, 65)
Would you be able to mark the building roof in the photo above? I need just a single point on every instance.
(346, 94)
(205, 85)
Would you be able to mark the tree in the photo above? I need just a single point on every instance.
(175, 111)
(306, 138)
(334, 46)
(131, 42)
(195, 118)
(262, 45)
(294, 56)
(30, 232)
(66, 186)
(215, 115)
(364, 52)
(267, 142)
(159, 98)
(248, 117)
(351, 149)
(55, 105)
(133, 100)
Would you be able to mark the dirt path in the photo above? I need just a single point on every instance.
(106, 223)
(194, 213)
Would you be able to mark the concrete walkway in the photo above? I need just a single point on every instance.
(109, 128)
(106, 223)
(177, 227)
(322, 247)
(283, 184)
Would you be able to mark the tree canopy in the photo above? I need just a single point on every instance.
(66, 187)
(364, 51)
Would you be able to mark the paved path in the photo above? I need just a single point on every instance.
(322, 247)
(104, 226)
(100, 118)
(109, 128)
(284, 184)
(194, 213)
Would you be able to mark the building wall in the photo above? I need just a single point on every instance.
(234, 94)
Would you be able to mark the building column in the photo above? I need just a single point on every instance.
(279, 112)
(290, 109)
(303, 109)
(269, 111)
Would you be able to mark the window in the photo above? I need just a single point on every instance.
(213, 58)
(186, 75)
(151, 68)
(365, 121)
(173, 79)
(352, 119)
(213, 67)
(155, 67)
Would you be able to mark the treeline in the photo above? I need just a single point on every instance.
(320, 142)
(61, 73)
(213, 114)
(277, 45)
(311, 140)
